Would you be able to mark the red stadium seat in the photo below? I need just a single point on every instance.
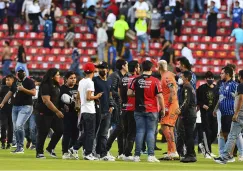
(28, 43)
(198, 53)
(218, 39)
(83, 29)
(85, 59)
(192, 46)
(90, 52)
(227, 61)
(21, 35)
(39, 58)
(133, 45)
(50, 59)
(38, 43)
(194, 39)
(191, 23)
(216, 70)
(17, 27)
(210, 54)
(221, 32)
(55, 51)
(214, 47)
(216, 62)
(187, 31)
(32, 35)
(89, 36)
(33, 51)
(222, 54)
(231, 54)
(206, 39)
(203, 61)
(2, 35)
(60, 44)
(61, 28)
(66, 51)
(226, 23)
(45, 66)
(226, 47)
(200, 31)
(177, 53)
(92, 45)
(3, 27)
(78, 36)
(30, 58)
(33, 66)
(64, 59)
(15, 42)
(76, 20)
(202, 47)
(153, 53)
(202, 23)
(155, 46)
(57, 36)
(183, 38)
(82, 45)
(221, 16)
(44, 51)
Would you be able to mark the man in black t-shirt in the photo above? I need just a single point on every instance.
(21, 94)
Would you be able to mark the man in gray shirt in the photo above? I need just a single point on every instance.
(236, 125)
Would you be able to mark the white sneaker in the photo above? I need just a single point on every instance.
(231, 160)
(89, 157)
(110, 155)
(106, 158)
(66, 156)
(153, 159)
(207, 156)
(174, 156)
(136, 159)
(129, 158)
(213, 155)
(74, 153)
(121, 156)
(240, 158)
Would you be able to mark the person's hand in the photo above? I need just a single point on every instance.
(205, 107)
(214, 113)
(170, 99)
(1, 105)
(162, 113)
(235, 118)
(59, 114)
(110, 110)
(20, 88)
(99, 95)
(178, 111)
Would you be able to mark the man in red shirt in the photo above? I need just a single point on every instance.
(114, 8)
(128, 107)
(146, 89)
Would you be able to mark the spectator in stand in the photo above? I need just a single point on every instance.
(114, 8)
(119, 2)
(11, 14)
(112, 56)
(120, 28)
(141, 5)
(34, 14)
(155, 25)
(25, 10)
(70, 32)
(55, 14)
(105, 4)
(238, 34)
(127, 53)
(47, 31)
(124, 7)
(6, 59)
(78, 6)
(91, 18)
(102, 39)
(76, 58)
(229, 5)
(217, 3)
(131, 17)
(237, 15)
(2, 11)
(169, 21)
(172, 4)
(199, 5)
(169, 56)
(179, 13)
(212, 20)
(45, 5)
(141, 29)
(111, 19)
(186, 52)
(66, 4)
(21, 59)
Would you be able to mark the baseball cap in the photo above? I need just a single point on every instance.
(20, 68)
(102, 64)
(89, 67)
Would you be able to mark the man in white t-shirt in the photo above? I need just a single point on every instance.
(86, 93)
(111, 19)
(141, 5)
(186, 52)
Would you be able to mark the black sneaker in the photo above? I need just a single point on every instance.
(52, 153)
(18, 151)
(157, 148)
(8, 146)
(220, 160)
(3, 146)
(40, 156)
(188, 159)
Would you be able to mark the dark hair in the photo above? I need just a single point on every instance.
(184, 61)
(47, 16)
(209, 74)
(8, 76)
(68, 74)
(120, 63)
(241, 74)
(48, 77)
(132, 65)
(228, 70)
(147, 65)
(75, 43)
(231, 66)
(7, 43)
(188, 75)
(185, 44)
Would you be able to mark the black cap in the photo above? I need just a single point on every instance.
(102, 64)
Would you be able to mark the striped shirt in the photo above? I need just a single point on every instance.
(227, 92)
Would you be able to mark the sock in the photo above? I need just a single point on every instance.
(221, 144)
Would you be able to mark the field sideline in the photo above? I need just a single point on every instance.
(28, 161)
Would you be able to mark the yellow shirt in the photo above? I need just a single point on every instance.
(120, 28)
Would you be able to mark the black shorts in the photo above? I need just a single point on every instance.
(155, 34)
(226, 121)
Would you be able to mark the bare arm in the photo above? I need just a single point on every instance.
(89, 97)
(161, 101)
(6, 98)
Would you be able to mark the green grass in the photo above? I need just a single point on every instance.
(28, 161)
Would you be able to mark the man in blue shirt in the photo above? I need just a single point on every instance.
(47, 31)
(238, 34)
(75, 57)
(112, 56)
(237, 14)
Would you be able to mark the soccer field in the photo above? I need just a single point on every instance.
(28, 161)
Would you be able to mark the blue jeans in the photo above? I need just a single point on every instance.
(30, 129)
(6, 69)
(75, 68)
(91, 27)
(145, 123)
(199, 5)
(24, 65)
(143, 39)
(47, 40)
(169, 35)
(20, 115)
(101, 50)
(235, 132)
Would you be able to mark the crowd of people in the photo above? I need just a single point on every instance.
(132, 101)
